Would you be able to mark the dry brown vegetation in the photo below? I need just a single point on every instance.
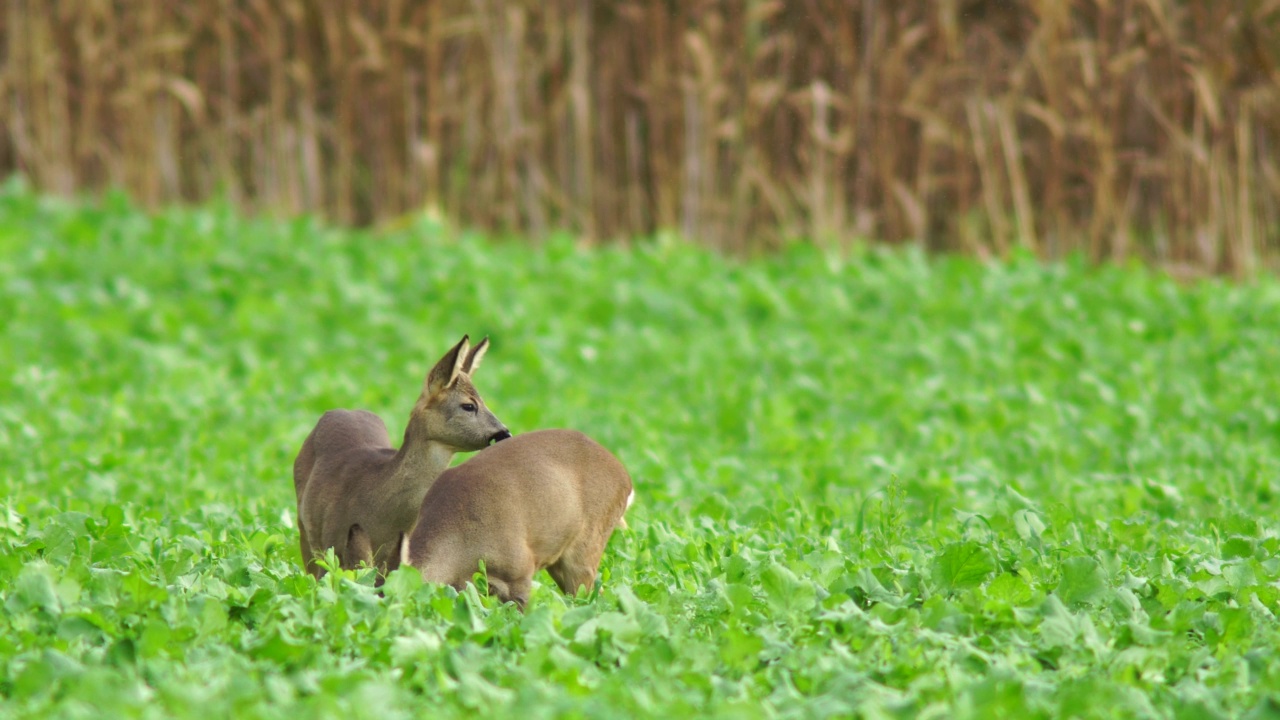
(1120, 127)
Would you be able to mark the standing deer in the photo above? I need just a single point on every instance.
(347, 473)
(544, 499)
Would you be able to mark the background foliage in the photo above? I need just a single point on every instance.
(873, 485)
(1118, 128)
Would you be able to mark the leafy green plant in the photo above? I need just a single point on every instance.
(874, 485)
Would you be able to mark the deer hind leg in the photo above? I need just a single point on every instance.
(570, 576)
(359, 549)
(514, 590)
(511, 577)
(308, 555)
(577, 567)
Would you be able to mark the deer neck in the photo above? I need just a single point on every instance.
(416, 466)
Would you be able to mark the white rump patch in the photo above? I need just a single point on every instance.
(622, 521)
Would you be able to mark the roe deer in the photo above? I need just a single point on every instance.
(348, 474)
(544, 499)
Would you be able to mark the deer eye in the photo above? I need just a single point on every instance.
(469, 407)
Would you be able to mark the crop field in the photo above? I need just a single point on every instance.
(869, 484)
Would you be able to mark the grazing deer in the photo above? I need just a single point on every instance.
(348, 474)
(545, 499)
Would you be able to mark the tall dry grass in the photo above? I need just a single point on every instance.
(1121, 127)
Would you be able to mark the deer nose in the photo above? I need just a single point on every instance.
(502, 434)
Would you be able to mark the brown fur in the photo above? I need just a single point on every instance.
(545, 499)
(347, 473)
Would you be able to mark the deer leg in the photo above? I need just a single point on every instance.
(578, 565)
(359, 549)
(514, 590)
(308, 557)
(512, 579)
(569, 576)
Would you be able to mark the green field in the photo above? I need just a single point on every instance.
(871, 485)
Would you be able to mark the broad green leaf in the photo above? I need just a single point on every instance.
(1237, 547)
(1083, 581)
(1028, 524)
(785, 591)
(1007, 590)
(962, 565)
(1059, 627)
(34, 588)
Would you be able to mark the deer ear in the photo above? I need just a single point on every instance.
(475, 356)
(447, 369)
